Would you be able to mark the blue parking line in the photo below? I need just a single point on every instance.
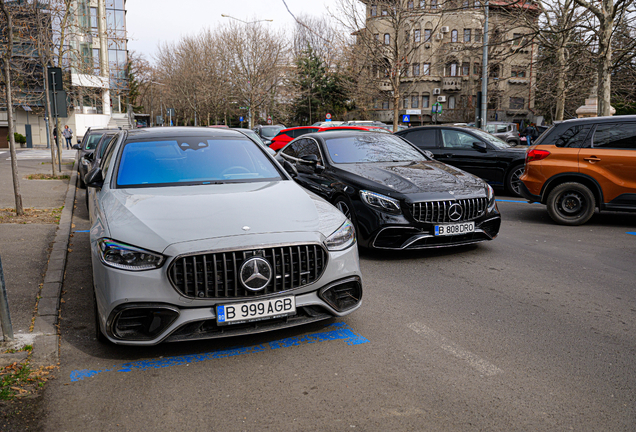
(336, 331)
(632, 233)
(82, 231)
(516, 201)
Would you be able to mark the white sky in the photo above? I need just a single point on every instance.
(150, 22)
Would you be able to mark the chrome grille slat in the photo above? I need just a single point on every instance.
(437, 211)
(216, 275)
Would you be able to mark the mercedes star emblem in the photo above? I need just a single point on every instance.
(455, 212)
(256, 273)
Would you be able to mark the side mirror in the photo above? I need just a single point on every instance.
(90, 156)
(428, 154)
(76, 146)
(318, 169)
(94, 178)
(290, 168)
(478, 145)
(310, 159)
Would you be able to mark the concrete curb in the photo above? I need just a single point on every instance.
(46, 324)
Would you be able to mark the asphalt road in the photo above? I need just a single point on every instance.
(533, 331)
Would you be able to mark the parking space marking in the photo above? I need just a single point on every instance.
(482, 366)
(335, 331)
(82, 231)
(632, 233)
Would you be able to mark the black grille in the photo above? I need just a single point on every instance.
(216, 275)
(437, 211)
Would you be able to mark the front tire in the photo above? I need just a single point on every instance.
(571, 204)
(513, 181)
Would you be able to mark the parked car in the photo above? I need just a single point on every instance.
(472, 150)
(395, 196)
(92, 159)
(581, 165)
(368, 123)
(286, 135)
(358, 128)
(198, 233)
(254, 137)
(267, 132)
(86, 147)
(508, 132)
(324, 124)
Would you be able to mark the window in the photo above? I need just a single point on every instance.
(516, 103)
(374, 10)
(421, 138)
(477, 4)
(465, 4)
(615, 135)
(426, 68)
(93, 19)
(376, 104)
(451, 102)
(573, 137)
(452, 69)
(466, 35)
(454, 36)
(517, 38)
(426, 101)
(427, 35)
(433, 4)
(416, 36)
(376, 37)
(306, 147)
(518, 73)
(478, 36)
(410, 4)
(405, 102)
(494, 71)
(385, 12)
(387, 39)
(456, 139)
(96, 61)
(465, 69)
(415, 101)
(416, 69)
(476, 69)
(385, 105)
(422, 4)
(493, 103)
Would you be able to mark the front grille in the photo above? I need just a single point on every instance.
(437, 211)
(216, 275)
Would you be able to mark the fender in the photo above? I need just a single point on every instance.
(574, 176)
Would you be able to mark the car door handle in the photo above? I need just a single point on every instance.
(592, 159)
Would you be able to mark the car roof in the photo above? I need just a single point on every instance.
(604, 119)
(299, 127)
(339, 133)
(183, 131)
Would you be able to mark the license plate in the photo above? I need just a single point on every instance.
(236, 313)
(454, 229)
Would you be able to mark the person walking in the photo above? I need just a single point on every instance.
(530, 132)
(68, 134)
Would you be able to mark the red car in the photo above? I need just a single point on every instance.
(286, 135)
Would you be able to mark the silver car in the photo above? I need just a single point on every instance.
(199, 233)
(508, 132)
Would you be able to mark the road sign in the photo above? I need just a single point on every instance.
(328, 116)
(269, 120)
(241, 118)
(170, 112)
(437, 108)
(406, 118)
(413, 112)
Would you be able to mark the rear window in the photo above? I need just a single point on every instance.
(92, 141)
(192, 160)
(270, 131)
(574, 137)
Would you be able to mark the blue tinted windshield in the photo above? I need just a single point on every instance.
(192, 160)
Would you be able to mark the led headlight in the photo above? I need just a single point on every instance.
(342, 238)
(490, 193)
(381, 202)
(126, 257)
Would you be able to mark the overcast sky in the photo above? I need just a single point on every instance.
(150, 22)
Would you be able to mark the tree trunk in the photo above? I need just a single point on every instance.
(560, 85)
(604, 66)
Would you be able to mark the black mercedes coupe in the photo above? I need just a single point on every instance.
(396, 196)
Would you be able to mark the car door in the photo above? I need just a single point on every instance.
(458, 149)
(309, 174)
(610, 158)
(425, 139)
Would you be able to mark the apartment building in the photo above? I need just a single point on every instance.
(438, 55)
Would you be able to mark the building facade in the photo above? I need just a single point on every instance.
(437, 50)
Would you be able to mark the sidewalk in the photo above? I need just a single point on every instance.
(34, 255)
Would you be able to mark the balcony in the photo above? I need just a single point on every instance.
(452, 83)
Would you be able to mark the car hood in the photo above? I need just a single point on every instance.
(422, 177)
(155, 218)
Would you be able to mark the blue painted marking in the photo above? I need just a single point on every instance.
(82, 231)
(436, 229)
(517, 201)
(632, 233)
(220, 313)
(336, 331)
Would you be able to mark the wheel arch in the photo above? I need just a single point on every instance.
(585, 180)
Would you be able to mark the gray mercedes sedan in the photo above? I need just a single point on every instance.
(199, 233)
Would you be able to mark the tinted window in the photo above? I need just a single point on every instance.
(455, 139)
(92, 141)
(306, 147)
(371, 148)
(105, 163)
(291, 150)
(573, 137)
(105, 143)
(491, 139)
(192, 160)
(615, 135)
(270, 131)
(421, 138)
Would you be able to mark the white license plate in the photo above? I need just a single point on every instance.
(455, 229)
(236, 313)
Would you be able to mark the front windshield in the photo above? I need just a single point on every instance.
(270, 131)
(93, 140)
(193, 160)
(371, 147)
(499, 143)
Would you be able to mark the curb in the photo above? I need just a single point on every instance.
(46, 324)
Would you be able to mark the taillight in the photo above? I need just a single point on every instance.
(535, 155)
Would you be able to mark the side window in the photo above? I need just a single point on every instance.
(291, 150)
(457, 140)
(615, 135)
(307, 147)
(106, 162)
(422, 138)
(573, 137)
(108, 141)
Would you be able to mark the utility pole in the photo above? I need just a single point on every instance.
(484, 74)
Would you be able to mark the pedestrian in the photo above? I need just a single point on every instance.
(530, 132)
(68, 134)
(55, 136)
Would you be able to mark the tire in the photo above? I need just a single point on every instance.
(571, 204)
(513, 184)
(343, 204)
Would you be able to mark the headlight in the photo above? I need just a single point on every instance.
(490, 193)
(342, 238)
(381, 202)
(125, 257)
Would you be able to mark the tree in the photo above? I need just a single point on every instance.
(6, 69)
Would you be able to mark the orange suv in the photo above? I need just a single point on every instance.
(580, 165)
